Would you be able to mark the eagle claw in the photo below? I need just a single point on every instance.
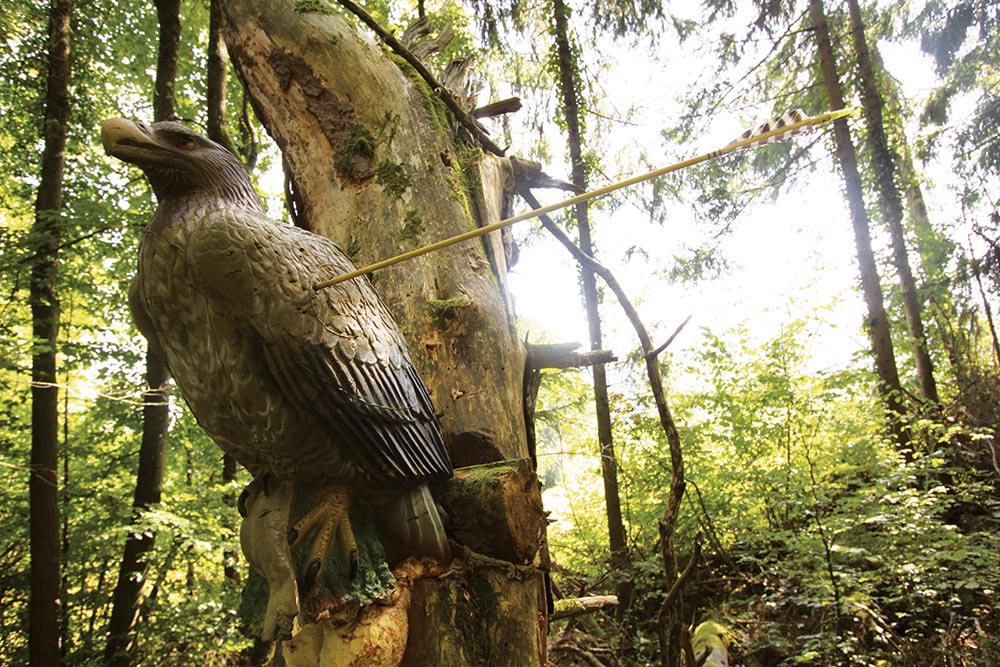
(309, 579)
(332, 522)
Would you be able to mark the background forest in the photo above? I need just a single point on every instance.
(836, 391)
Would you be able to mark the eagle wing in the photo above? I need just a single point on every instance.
(335, 352)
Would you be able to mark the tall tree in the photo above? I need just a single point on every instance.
(568, 71)
(128, 593)
(216, 75)
(878, 323)
(892, 207)
(169, 17)
(46, 233)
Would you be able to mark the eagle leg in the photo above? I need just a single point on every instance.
(331, 517)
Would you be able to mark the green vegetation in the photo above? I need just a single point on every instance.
(356, 152)
(413, 227)
(822, 542)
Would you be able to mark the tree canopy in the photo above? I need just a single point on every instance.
(823, 535)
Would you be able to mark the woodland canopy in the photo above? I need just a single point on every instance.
(836, 391)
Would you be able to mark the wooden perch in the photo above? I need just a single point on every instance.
(570, 607)
(496, 510)
(565, 355)
(489, 607)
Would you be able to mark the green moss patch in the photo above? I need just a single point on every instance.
(313, 7)
(392, 177)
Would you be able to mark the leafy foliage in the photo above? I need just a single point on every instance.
(821, 546)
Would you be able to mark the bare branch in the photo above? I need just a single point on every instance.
(571, 607)
(670, 340)
(565, 355)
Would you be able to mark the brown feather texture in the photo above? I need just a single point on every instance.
(310, 386)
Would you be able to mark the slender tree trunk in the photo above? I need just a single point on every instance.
(994, 340)
(892, 207)
(215, 80)
(609, 462)
(169, 17)
(43, 485)
(878, 323)
(131, 586)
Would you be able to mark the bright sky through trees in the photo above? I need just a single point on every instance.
(788, 258)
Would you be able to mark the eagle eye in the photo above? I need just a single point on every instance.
(182, 140)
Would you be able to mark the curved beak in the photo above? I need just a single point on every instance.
(118, 132)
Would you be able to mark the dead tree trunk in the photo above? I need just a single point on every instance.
(380, 169)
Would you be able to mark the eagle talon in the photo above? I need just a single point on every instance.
(312, 572)
(333, 536)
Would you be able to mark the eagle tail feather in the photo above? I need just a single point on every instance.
(412, 526)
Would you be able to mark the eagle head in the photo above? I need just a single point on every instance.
(176, 160)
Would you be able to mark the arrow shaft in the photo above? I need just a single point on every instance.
(586, 196)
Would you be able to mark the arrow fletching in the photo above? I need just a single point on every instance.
(791, 119)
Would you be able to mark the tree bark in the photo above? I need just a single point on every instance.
(892, 207)
(46, 232)
(609, 462)
(380, 169)
(128, 597)
(169, 17)
(878, 323)
(216, 70)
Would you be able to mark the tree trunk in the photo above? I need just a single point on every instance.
(609, 462)
(878, 323)
(380, 169)
(131, 586)
(215, 80)
(43, 485)
(169, 17)
(892, 207)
